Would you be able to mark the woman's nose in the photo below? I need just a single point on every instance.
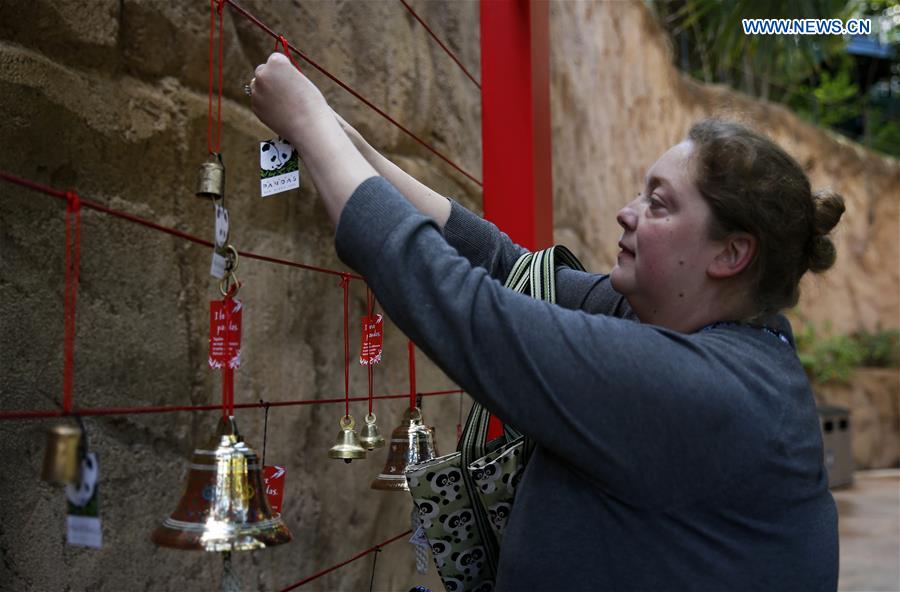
(627, 217)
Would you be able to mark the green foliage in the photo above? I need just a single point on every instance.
(813, 74)
(881, 349)
(828, 359)
(834, 358)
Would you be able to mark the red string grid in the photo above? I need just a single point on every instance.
(441, 43)
(244, 12)
(72, 263)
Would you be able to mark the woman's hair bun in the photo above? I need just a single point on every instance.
(829, 209)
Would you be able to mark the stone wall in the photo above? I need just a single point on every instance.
(110, 97)
(873, 398)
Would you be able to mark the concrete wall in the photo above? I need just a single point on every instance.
(110, 97)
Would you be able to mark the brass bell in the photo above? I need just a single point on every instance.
(411, 442)
(211, 179)
(62, 460)
(224, 506)
(370, 437)
(347, 446)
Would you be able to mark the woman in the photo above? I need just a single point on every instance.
(678, 445)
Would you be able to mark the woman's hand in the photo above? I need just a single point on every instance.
(287, 102)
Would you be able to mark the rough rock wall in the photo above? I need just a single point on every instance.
(873, 398)
(618, 103)
(110, 97)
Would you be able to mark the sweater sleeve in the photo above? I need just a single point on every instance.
(484, 245)
(635, 407)
(481, 242)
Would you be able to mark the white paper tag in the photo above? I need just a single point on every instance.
(217, 266)
(84, 531)
(221, 236)
(83, 522)
(279, 167)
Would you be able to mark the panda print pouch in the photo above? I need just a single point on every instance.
(464, 499)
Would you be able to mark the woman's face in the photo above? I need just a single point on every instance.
(665, 248)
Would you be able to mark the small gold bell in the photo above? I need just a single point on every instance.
(211, 180)
(370, 437)
(347, 446)
(61, 458)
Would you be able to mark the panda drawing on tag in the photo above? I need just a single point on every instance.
(447, 484)
(452, 585)
(81, 492)
(459, 525)
(428, 511)
(274, 154)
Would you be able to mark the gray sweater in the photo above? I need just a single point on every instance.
(664, 461)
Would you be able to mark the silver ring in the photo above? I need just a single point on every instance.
(247, 90)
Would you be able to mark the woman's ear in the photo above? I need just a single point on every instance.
(737, 252)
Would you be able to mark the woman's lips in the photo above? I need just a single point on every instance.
(623, 250)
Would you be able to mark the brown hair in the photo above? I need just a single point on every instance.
(754, 186)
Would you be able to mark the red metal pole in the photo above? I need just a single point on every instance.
(515, 123)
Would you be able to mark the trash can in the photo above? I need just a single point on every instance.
(835, 424)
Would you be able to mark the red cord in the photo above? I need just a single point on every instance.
(220, 5)
(96, 411)
(72, 266)
(439, 42)
(345, 286)
(411, 350)
(241, 10)
(92, 205)
(212, 24)
(215, 9)
(286, 48)
(343, 563)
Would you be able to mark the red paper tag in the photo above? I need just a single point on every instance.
(372, 335)
(273, 476)
(225, 340)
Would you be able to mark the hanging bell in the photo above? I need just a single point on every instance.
(347, 446)
(224, 506)
(370, 437)
(62, 460)
(211, 179)
(411, 442)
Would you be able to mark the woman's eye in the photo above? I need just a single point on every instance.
(654, 202)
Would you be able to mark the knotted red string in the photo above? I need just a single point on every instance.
(70, 296)
(286, 48)
(215, 13)
(411, 350)
(345, 286)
